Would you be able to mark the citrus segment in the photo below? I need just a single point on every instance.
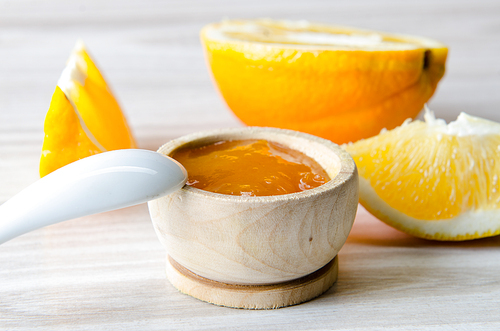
(65, 139)
(433, 180)
(339, 83)
(84, 85)
(88, 97)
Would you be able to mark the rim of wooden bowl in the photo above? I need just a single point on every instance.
(345, 166)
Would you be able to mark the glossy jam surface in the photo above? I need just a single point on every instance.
(250, 168)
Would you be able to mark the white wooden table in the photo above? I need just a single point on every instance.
(106, 272)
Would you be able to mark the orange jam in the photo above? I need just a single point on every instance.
(250, 168)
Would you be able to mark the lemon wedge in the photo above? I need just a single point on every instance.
(84, 117)
(433, 180)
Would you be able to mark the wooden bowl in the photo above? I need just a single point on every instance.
(236, 241)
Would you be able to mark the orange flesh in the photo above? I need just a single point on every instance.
(250, 168)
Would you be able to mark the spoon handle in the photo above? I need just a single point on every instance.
(98, 183)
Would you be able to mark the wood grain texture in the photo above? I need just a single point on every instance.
(259, 240)
(107, 272)
(253, 296)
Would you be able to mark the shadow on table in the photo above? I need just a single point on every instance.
(382, 265)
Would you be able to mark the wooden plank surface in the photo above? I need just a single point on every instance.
(107, 271)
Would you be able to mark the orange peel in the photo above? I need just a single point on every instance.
(338, 83)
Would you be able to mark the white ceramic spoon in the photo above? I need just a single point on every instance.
(98, 183)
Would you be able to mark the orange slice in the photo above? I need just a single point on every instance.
(338, 83)
(433, 180)
(84, 117)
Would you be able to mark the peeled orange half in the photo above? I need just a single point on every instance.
(433, 180)
(84, 117)
(338, 83)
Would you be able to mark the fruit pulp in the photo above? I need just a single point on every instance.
(250, 168)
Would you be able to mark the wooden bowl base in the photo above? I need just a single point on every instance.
(253, 296)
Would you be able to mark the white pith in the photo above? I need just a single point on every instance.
(481, 221)
(354, 39)
(464, 125)
(74, 73)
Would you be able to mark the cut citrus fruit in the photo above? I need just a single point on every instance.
(338, 83)
(84, 118)
(433, 180)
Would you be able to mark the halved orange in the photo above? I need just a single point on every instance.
(84, 117)
(338, 83)
(433, 180)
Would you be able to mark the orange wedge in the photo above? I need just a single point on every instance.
(433, 180)
(338, 83)
(84, 117)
